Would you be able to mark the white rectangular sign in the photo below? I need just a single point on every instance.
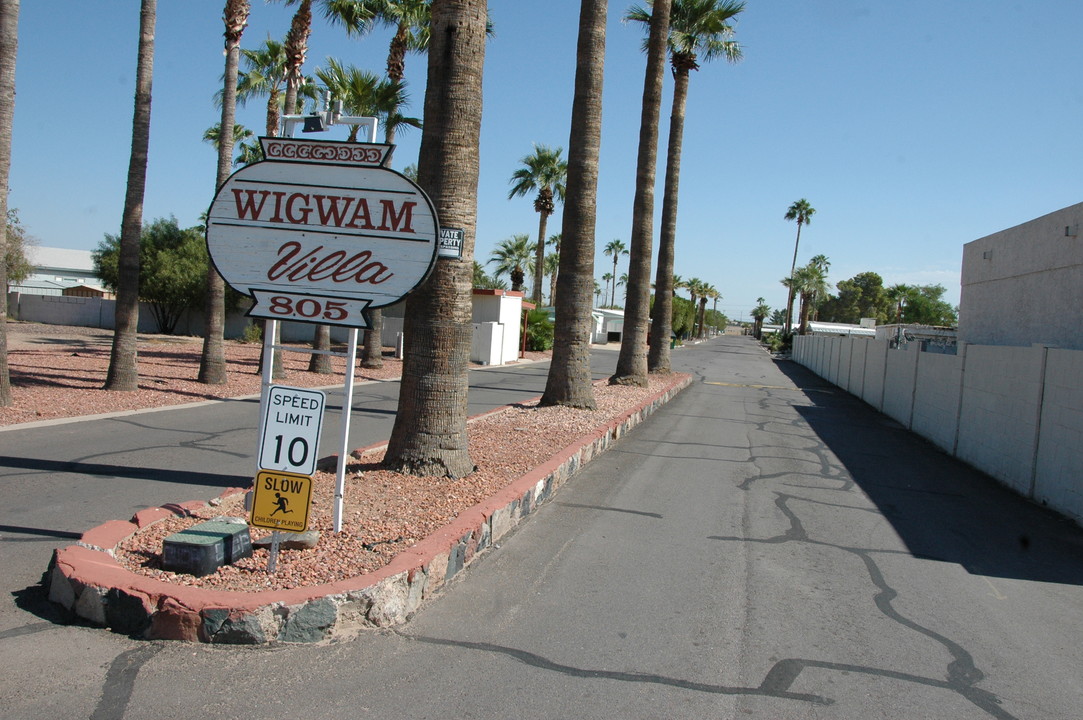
(291, 430)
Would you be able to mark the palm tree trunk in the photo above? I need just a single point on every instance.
(123, 371)
(539, 260)
(789, 295)
(320, 362)
(429, 436)
(569, 379)
(372, 357)
(632, 360)
(613, 287)
(662, 320)
(212, 361)
(805, 307)
(9, 44)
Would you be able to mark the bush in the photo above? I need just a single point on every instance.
(778, 342)
(539, 331)
(252, 333)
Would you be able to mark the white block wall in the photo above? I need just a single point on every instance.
(936, 399)
(1059, 469)
(998, 417)
(1016, 413)
(902, 368)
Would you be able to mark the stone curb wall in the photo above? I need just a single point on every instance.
(87, 581)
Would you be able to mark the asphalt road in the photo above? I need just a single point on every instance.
(764, 546)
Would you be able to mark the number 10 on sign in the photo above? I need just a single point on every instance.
(291, 430)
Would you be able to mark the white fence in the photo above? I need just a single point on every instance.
(1015, 413)
(488, 347)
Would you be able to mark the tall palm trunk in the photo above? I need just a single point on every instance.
(296, 47)
(9, 45)
(545, 200)
(569, 380)
(372, 353)
(429, 436)
(212, 362)
(123, 371)
(632, 360)
(789, 295)
(662, 320)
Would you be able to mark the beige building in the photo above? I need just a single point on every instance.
(1024, 285)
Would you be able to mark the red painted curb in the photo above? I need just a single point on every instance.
(89, 582)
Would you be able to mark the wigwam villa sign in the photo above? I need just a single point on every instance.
(321, 231)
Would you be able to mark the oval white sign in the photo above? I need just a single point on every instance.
(321, 230)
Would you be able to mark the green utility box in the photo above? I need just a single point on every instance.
(203, 548)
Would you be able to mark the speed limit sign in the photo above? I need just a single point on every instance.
(291, 430)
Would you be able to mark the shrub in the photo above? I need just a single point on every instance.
(539, 331)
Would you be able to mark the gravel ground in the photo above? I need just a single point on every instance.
(58, 371)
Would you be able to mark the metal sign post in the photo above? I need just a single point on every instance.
(321, 232)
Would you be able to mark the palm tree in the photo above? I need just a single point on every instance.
(212, 360)
(429, 435)
(552, 267)
(697, 29)
(802, 212)
(809, 281)
(897, 294)
(546, 172)
(695, 288)
(569, 380)
(597, 292)
(514, 258)
(759, 313)
(707, 292)
(411, 19)
(632, 360)
(213, 134)
(615, 248)
(365, 94)
(609, 277)
(9, 43)
(622, 281)
(296, 48)
(821, 263)
(264, 75)
(123, 373)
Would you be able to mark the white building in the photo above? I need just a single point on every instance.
(56, 269)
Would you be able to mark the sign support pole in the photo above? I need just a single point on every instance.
(270, 330)
(347, 411)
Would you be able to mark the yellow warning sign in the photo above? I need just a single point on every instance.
(280, 501)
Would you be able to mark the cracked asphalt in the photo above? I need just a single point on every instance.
(764, 546)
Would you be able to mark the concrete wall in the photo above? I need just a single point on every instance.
(1022, 285)
(1059, 469)
(1016, 413)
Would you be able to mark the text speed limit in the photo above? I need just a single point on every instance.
(291, 430)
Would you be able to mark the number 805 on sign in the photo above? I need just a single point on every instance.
(309, 308)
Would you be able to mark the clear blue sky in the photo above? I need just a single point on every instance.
(912, 128)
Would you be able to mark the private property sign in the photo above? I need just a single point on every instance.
(321, 231)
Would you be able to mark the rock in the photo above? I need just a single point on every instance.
(228, 519)
(291, 541)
